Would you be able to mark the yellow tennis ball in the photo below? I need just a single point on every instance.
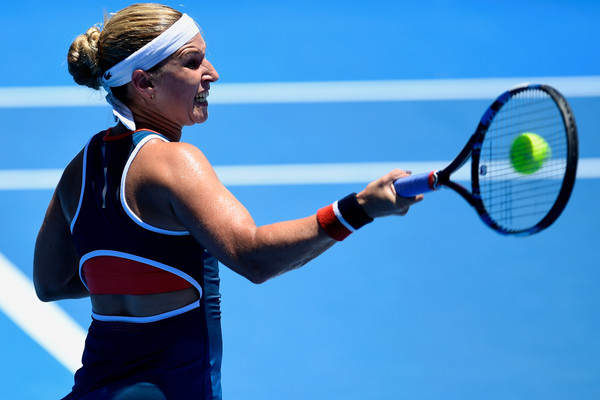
(528, 152)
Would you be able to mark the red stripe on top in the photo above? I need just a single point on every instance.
(111, 138)
(115, 275)
(331, 224)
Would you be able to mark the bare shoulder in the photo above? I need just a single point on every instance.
(166, 176)
(173, 163)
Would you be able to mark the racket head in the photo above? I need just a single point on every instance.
(513, 202)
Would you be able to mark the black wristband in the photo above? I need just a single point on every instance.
(352, 212)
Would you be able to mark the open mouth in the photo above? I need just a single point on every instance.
(201, 98)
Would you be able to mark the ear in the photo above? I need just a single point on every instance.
(142, 82)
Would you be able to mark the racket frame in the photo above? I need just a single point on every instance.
(570, 171)
(472, 150)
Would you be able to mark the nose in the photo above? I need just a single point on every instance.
(211, 74)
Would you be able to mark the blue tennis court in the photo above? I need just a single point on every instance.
(316, 99)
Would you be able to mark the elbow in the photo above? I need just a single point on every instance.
(260, 279)
(256, 273)
(44, 290)
(47, 294)
(260, 272)
(44, 293)
(49, 291)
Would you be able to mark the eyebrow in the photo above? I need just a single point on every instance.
(190, 50)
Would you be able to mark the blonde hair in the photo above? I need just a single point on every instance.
(124, 33)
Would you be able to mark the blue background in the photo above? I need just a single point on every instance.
(429, 306)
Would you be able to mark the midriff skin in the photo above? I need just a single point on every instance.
(142, 305)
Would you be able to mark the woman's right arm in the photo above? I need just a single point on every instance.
(183, 179)
(55, 261)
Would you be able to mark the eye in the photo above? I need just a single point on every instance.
(192, 63)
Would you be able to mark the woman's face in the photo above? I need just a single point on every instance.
(182, 86)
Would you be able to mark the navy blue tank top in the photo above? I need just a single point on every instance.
(104, 227)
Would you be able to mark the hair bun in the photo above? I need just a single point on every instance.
(123, 33)
(83, 59)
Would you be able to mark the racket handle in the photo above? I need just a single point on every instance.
(416, 184)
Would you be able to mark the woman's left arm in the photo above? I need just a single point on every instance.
(55, 261)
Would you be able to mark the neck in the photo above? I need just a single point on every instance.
(167, 130)
(148, 119)
(172, 135)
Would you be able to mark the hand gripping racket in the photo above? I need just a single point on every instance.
(507, 200)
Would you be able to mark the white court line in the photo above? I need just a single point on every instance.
(46, 323)
(316, 92)
(282, 174)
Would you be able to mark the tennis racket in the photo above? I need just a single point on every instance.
(509, 201)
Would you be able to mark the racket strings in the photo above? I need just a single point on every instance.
(534, 111)
(523, 208)
(514, 200)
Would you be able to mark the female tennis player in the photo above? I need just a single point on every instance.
(139, 218)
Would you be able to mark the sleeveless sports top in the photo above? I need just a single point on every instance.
(121, 254)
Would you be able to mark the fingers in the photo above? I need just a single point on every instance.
(392, 177)
(379, 198)
(404, 203)
(395, 175)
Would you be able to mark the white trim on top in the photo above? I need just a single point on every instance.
(134, 217)
(152, 263)
(83, 176)
(145, 320)
(143, 260)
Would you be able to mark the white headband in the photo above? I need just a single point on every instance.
(152, 53)
(145, 58)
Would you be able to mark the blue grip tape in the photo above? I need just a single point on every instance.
(416, 184)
